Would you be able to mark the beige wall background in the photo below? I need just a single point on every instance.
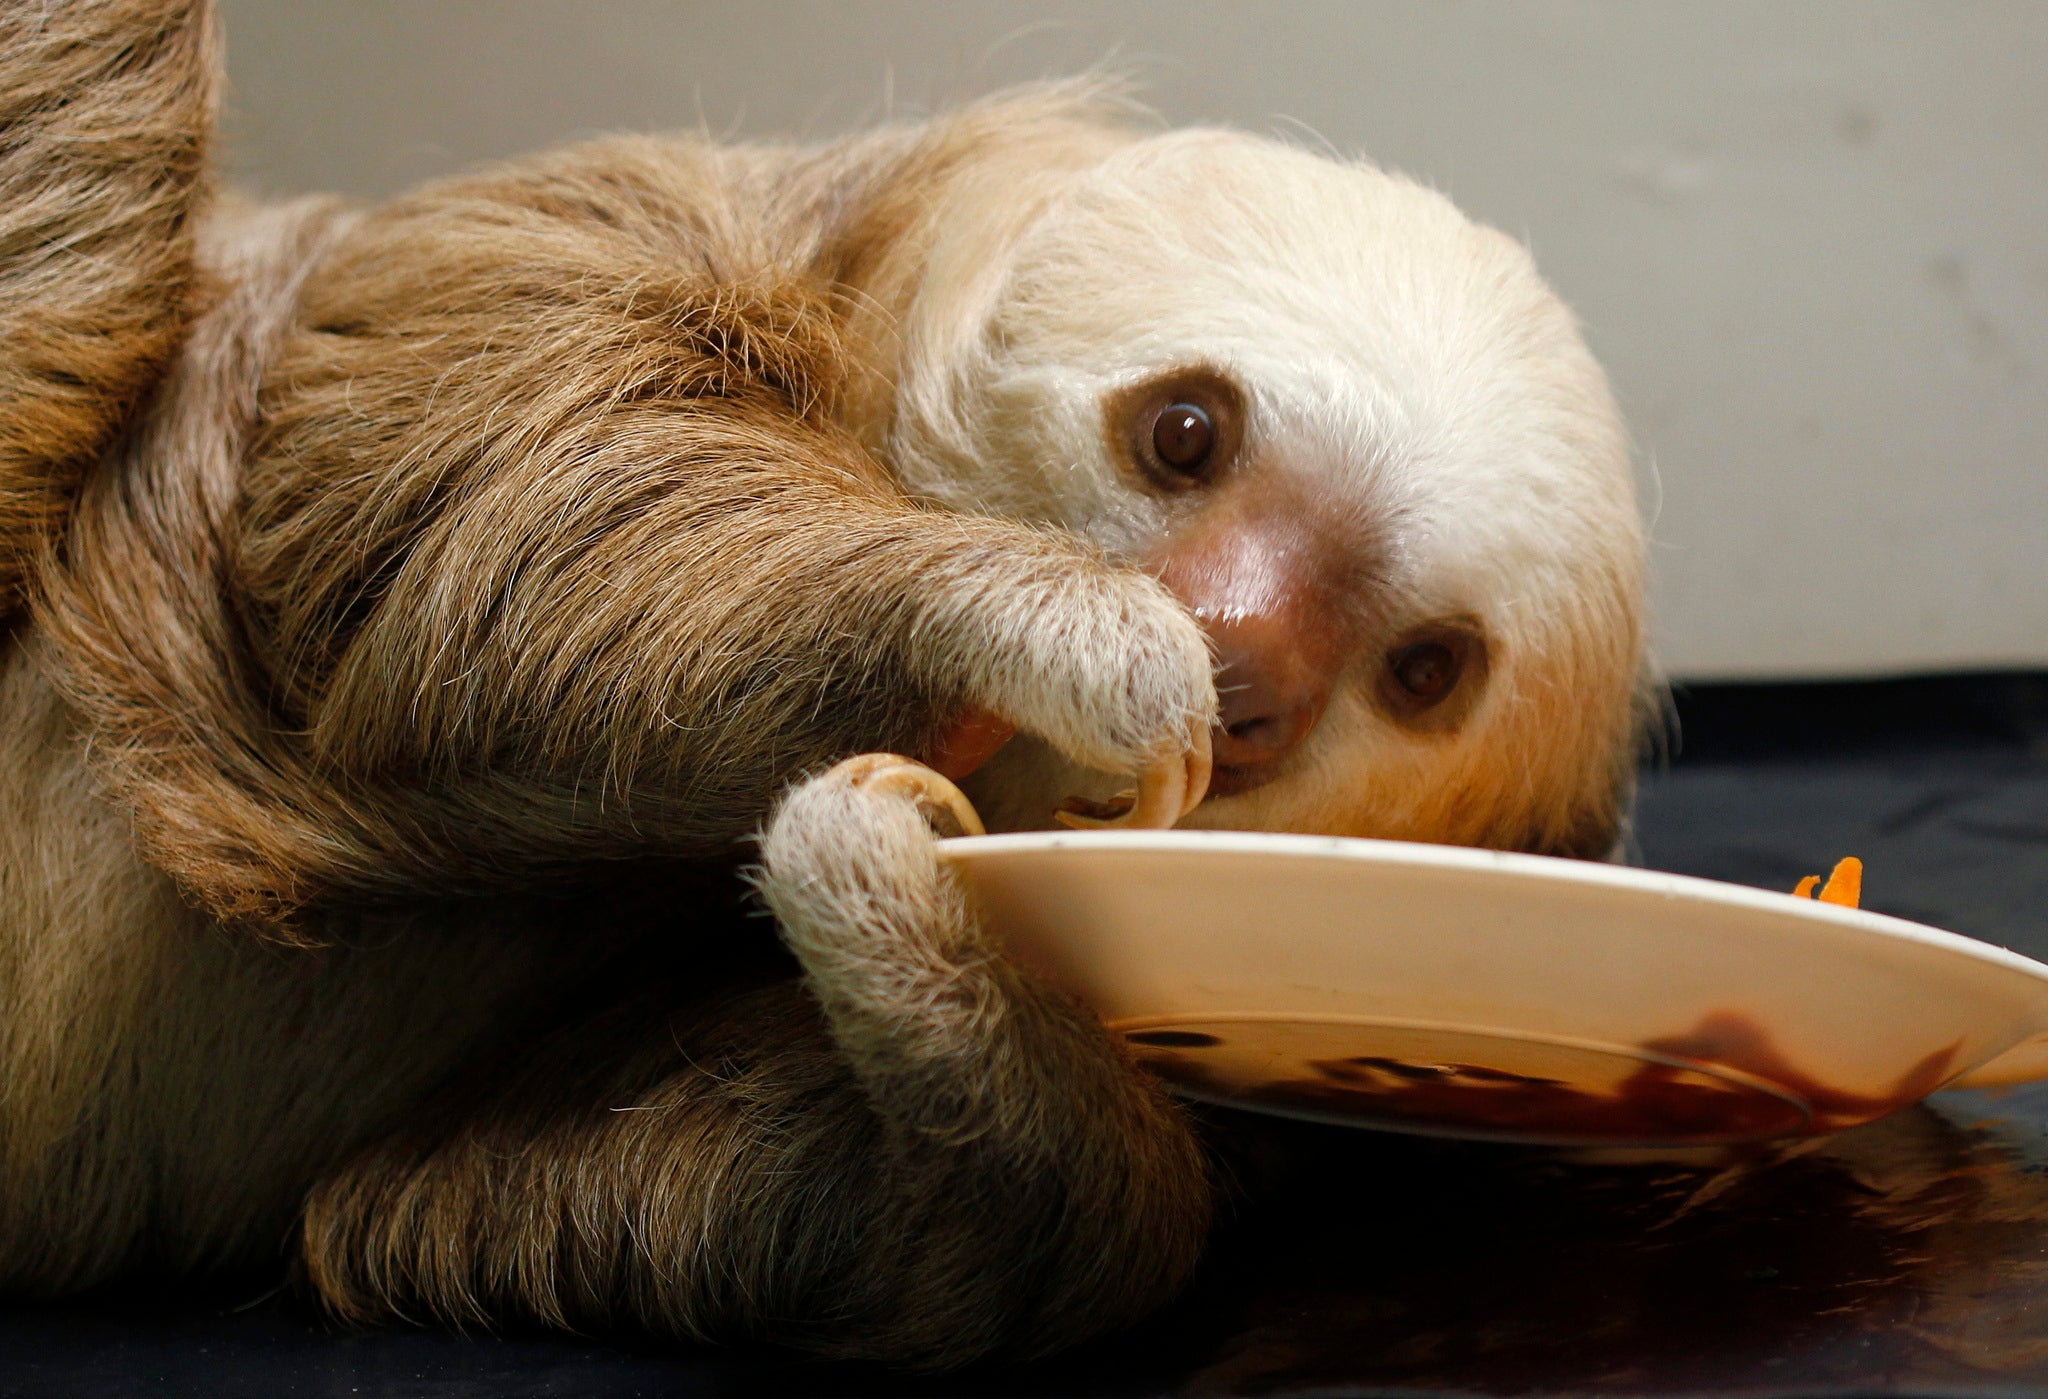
(1810, 241)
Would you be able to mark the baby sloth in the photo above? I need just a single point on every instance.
(429, 606)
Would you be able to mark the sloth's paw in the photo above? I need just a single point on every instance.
(1116, 674)
(850, 868)
(946, 1036)
(1017, 1130)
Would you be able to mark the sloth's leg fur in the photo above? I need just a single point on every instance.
(920, 1154)
(106, 111)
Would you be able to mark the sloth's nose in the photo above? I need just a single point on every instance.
(1272, 694)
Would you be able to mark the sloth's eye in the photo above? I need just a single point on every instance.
(1427, 671)
(1431, 677)
(1183, 437)
(1179, 432)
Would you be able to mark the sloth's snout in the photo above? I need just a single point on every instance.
(1285, 599)
(1270, 591)
(1272, 691)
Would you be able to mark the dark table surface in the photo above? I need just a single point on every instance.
(1906, 1257)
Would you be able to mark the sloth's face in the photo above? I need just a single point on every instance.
(1365, 444)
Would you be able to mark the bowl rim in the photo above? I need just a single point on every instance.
(1490, 864)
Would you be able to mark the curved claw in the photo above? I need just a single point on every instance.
(891, 774)
(1168, 789)
(1201, 761)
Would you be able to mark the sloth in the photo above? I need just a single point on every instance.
(428, 853)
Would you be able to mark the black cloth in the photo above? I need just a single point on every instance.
(1906, 1257)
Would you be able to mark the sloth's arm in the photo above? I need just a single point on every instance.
(722, 603)
(545, 551)
(922, 1156)
(568, 500)
(638, 661)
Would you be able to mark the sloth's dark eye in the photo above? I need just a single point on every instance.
(1433, 674)
(1177, 433)
(1183, 437)
(1427, 671)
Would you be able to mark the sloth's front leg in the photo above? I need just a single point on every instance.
(1052, 1188)
(920, 1154)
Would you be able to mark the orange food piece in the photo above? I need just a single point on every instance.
(1844, 886)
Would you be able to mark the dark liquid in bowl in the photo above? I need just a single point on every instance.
(1721, 1081)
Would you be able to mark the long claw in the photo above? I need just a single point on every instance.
(1161, 786)
(933, 795)
(1201, 760)
(1168, 789)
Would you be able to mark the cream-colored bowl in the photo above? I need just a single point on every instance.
(1515, 997)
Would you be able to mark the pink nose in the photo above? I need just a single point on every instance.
(1272, 694)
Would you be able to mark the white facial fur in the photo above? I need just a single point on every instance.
(1408, 377)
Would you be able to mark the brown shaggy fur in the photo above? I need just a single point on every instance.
(584, 378)
(973, 1167)
(106, 110)
(487, 571)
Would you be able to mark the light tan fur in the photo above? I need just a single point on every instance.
(415, 674)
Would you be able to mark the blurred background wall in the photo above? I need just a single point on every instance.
(1810, 241)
